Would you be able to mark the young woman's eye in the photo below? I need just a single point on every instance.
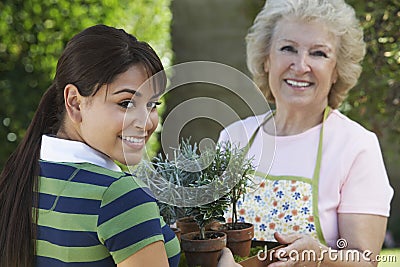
(288, 48)
(153, 105)
(319, 53)
(127, 104)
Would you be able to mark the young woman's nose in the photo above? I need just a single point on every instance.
(140, 118)
(300, 63)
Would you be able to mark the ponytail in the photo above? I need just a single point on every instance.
(19, 187)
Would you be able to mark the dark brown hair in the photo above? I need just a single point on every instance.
(92, 58)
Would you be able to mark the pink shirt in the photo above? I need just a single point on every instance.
(353, 178)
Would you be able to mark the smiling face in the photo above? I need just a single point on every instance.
(119, 119)
(301, 64)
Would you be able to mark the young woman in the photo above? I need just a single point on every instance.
(64, 202)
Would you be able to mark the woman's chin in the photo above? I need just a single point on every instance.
(299, 102)
(131, 159)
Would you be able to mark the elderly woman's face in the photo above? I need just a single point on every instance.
(301, 65)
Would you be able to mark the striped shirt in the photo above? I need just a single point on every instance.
(92, 216)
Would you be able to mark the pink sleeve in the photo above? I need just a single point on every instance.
(366, 188)
(223, 136)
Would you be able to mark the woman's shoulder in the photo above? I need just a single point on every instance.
(249, 122)
(91, 174)
(348, 131)
(241, 130)
(348, 126)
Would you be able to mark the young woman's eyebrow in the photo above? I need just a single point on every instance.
(133, 92)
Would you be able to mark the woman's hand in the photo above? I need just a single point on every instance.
(226, 259)
(362, 233)
(291, 255)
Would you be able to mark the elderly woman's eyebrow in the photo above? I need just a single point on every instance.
(316, 45)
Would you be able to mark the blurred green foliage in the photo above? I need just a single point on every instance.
(33, 34)
(375, 101)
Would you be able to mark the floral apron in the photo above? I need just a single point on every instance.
(284, 204)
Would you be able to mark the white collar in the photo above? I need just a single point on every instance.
(62, 150)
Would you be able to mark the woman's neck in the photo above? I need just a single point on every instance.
(293, 121)
(67, 131)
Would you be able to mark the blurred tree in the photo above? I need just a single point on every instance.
(375, 102)
(33, 35)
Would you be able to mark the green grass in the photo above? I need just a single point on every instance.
(392, 255)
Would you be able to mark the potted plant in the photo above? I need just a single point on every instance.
(239, 233)
(224, 172)
(170, 171)
(176, 176)
(201, 247)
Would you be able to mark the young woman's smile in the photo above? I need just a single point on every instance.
(121, 116)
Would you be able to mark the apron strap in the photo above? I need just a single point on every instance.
(315, 180)
(253, 136)
(319, 153)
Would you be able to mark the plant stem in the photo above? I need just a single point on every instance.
(234, 209)
(202, 232)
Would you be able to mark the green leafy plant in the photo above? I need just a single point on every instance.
(170, 171)
(184, 169)
(244, 169)
(225, 167)
(168, 212)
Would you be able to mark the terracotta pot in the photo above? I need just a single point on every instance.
(188, 225)
(177, 232)
(239, 239)
(203, 253)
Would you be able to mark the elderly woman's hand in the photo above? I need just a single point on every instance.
(291, 255)
(226, 259)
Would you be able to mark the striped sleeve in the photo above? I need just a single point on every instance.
(172, 245)
(129, 218)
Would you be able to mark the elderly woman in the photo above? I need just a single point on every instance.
(327, 186)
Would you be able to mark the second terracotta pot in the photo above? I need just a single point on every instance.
(239, 239)
(187, 225)
(177, 232)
